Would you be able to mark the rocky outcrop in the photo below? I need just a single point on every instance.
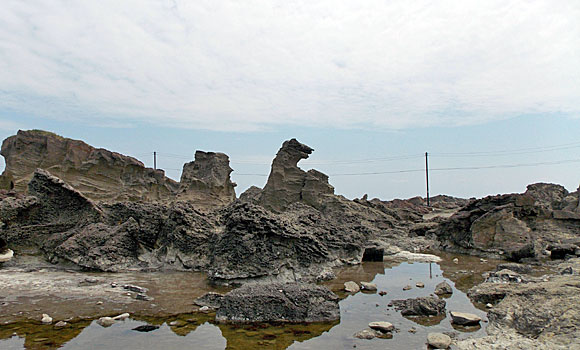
(289, 184)
(97, 173)
(514, 226)
(544, 310)
(206, 181)
(103, 175)
(279, 302)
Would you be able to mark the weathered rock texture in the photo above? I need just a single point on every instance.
(103, 175)
(242, 241)
(289, 184)
(545, 312)
(97, 173)
(206, 181)
(514, 226)
(279, 302)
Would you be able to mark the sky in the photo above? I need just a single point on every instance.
(491, 88)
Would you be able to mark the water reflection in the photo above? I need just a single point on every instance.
(197, 330)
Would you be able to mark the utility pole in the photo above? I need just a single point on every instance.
(427, 176)
(155, 160)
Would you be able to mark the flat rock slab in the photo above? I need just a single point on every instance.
(279, 302)
(351, 287)
(464, 318)
(439, 340)
(382, 326)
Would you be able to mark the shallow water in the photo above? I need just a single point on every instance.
(173, 294)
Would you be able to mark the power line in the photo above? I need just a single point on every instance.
(510, 152)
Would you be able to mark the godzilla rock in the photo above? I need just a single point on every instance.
(513, 226)
(288, 183)
(206, 181)
(97, 173)
(279, 302)
(422, 306)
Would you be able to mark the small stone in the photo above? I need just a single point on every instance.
(177, 323)
(488, 305)
(91, 280)
(143, 297)
(105, 321)
(439, 340)
(114, 285)
(456, 261)
(464, 318)
(367, 334)
(368, 286)
(60, 324)
(413, 330)
(204, 309)
(407, 287)
(382, 293)
(382, 326)
(121, 317)
(351, 287)
(99, 303)
(46, 319)
(443, 288)
(135, 289)
(567, 271)
(420, 285)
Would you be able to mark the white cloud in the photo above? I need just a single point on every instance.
(230, 65)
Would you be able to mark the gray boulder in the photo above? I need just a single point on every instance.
(279, 302)
(422, 306)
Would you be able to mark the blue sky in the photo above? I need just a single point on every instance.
(358, 82)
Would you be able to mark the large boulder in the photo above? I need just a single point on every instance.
(206, 181)
(288, 183)
(279, 302)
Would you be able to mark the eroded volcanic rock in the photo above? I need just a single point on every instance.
(103, 175)
(514, 226)
(206, 181)
(279, 302)
(97, 173)
(288, 183)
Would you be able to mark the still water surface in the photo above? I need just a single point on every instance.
(198, 331)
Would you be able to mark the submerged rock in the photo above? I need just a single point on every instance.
(368, 286)
(279, 302)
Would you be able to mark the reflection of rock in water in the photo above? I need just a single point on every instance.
(43, 337)
(365, 272)
(468, 271)
(266, 336)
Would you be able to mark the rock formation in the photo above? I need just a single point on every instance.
(103, 175)
(206, 181)
(97, 173)
(514, 226)
(288, 183)
(279, 302)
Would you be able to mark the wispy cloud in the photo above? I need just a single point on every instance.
(230, 65)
